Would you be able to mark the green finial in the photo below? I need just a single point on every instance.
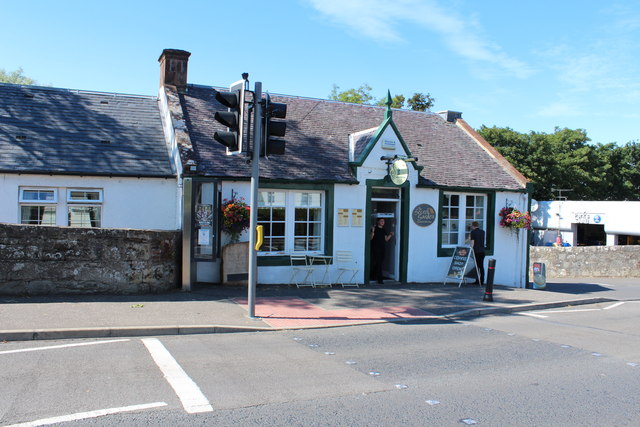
(387, 114)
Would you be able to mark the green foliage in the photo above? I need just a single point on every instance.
(362, 95)
(15, 77)
(421, 102)
(565, 159)
(396, 101)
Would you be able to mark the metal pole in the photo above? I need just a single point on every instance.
(253, 219)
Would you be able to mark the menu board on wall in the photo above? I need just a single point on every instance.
(356, 218)
(343, 217)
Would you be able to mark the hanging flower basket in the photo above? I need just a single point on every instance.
(514, 219)
(235, 217)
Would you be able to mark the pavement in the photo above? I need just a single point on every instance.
(220, 309)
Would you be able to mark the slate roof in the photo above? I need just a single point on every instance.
(317, 144)
(73, 132)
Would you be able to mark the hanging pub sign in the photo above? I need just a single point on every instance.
(398, 172)
(423, 215)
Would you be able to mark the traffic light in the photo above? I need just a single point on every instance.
(273, 110)
(233, 118)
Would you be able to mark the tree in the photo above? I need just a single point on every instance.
(396, 101)
(421, 102)
(15, 77)
(362, 95)
(562, 159)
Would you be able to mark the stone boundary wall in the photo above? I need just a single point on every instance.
(588, 261)
(43, 260)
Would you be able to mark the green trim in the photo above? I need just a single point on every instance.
(490, 225)
(283, 260)
(374, 140)
(405, 190)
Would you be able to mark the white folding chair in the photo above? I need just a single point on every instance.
(345, 263)
(299, 265)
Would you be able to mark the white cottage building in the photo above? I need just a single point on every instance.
(322, 197)
(85, 159)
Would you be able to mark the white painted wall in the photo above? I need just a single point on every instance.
(140, 203)
(618, 217)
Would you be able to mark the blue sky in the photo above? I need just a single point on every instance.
(525, 65)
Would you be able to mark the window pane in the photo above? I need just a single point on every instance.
(278, 214)
(264, 214)
(300, 244)
(315, 229)
(300, 229)
(454, 213)
(455, 200)
(301, 214)
(277, 244)
(84, 216)
(385, 193)
(277, 229)
(315, 214)
(314, 244)
(38, 215)
(38, 195)
(83, 196)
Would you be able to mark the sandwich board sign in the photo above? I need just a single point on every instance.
(463, 261)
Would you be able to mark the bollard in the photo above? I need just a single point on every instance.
(488, 289)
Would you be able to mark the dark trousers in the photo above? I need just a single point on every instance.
(377, 258)
(480, 262)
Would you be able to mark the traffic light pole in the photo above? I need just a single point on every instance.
(253, 219)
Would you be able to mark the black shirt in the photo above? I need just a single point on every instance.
(477, 235)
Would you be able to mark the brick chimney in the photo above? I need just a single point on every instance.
(173, 68)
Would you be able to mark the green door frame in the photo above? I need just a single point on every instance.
(404, 222)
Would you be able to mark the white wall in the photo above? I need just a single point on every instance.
(618, 217)
(140, 203)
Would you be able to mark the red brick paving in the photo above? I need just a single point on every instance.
(286, 312)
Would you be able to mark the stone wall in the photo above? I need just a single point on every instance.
(37, 260)
(589, 261)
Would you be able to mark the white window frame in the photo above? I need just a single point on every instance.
(84, 190)
(85, 203)
(464, 219)
(44, 204)
(39, 189)
(289, 223)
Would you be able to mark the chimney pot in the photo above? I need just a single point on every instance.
(173, 68)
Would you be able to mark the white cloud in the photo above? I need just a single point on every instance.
(558, 109)
(382, 20)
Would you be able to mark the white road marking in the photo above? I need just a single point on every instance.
(187, 390)
(90, 414)
(53, 347)
(539, 316)
(573, 311)
(618, 304)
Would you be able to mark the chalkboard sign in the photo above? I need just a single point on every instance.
(463, 260)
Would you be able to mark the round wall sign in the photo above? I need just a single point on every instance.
(423, 215)
(399, 172)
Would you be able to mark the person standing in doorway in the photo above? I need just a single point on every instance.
(379, 239)
(477, 243)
